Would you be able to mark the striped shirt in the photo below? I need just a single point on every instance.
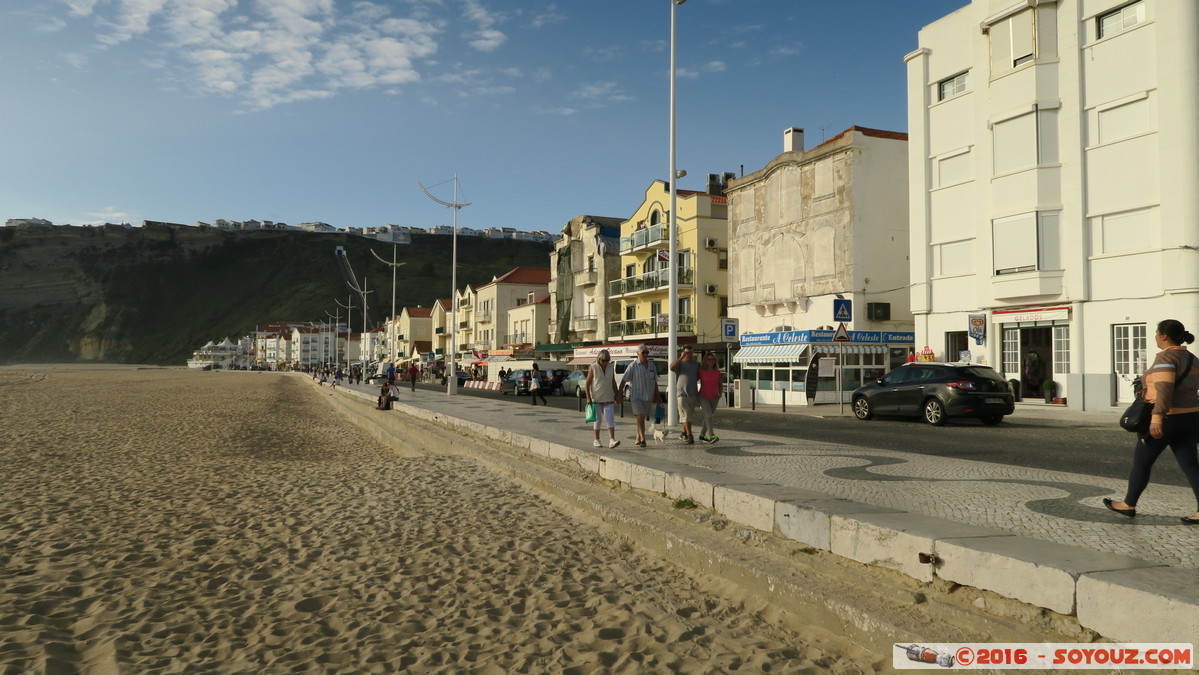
(642, 379)
(1159, 383)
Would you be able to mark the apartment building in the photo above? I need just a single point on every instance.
(528, 322)
(493, 300)
(807, 232)
(585, 258)
(702, 245)
(1054, 157)
(440, 323)
(414, 324)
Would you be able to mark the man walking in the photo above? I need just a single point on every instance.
(686, 370)
(413, 373)
(642, 378)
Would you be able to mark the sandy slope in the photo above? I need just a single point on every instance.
(172, 520)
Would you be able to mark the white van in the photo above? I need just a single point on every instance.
(661, 365)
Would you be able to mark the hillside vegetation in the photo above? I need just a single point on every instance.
(155, 294)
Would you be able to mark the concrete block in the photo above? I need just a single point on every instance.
(587, 461)
(753, 504)
(808, 521)
(895, 540)
(650, 478)
(539, 447)
(1150, 604)
(695, 484)
(1041, 573)
(617, 469)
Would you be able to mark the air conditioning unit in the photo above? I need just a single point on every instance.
(878, 311)
(710, 242)
(710, 289)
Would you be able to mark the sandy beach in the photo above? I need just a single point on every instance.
(165, 520)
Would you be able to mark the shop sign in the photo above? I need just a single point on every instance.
(622, 351)
(809, 336)
(978, 328)
(1043, 314)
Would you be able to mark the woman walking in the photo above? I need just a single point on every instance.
(601, 390)
(1171, 384)
(535, 386)
(710, 381)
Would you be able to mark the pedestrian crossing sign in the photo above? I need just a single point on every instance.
(842, 310)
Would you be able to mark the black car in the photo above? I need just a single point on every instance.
(937, 392)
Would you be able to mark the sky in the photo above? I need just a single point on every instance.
(333, 110)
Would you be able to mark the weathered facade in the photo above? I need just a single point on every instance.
(585, 258)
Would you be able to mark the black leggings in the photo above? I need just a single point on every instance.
(1181, 434)
(535, 394)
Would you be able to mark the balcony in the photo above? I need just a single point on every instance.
(518, 339)
(440, 330)
(656, 236)
(464, 325)
(651, 281)
(649, 327)
(481, 346)
(585, 323)
(587, 277)
(483, 317)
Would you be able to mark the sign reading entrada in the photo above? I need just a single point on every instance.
(801, 336)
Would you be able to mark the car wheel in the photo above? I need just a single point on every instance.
(992, 420)
(862, 409)
(934, 412)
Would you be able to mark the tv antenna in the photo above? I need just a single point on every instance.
(451, 362)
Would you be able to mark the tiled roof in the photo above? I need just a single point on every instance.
(691, 193)
(867, 131)
(419, 312)
(445, 303)
(525, 275)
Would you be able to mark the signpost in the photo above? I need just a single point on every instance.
(728, 333)
(840, 337)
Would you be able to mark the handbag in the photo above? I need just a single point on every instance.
(1138, 415)
(590, 413)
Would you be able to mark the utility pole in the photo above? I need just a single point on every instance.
(451, 360)
(392, 328)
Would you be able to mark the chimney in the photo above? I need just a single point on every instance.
(793, 140)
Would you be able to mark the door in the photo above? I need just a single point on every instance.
(915, 387)
(1129, 345)
(887, 399)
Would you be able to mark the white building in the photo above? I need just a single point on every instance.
(1054, 165)
(585, 258)
(811, 228)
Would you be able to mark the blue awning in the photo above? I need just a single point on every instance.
(770, 353)
(850, 349)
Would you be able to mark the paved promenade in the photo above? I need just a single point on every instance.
(1040, 536)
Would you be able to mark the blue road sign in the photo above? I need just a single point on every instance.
(842, 310)
(728, 330)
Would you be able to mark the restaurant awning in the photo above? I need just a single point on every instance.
(850, 349)
(498, 358)
(770, 353)
(581, 361)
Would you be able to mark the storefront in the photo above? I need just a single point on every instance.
(1035, 350)
(773, 363)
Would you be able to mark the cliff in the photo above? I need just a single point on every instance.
(154, 294)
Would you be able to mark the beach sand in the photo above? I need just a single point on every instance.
(166, 520)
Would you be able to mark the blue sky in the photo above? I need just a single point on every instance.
(332, 110)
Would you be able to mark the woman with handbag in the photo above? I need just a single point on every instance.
(1171, 384)
(602, 393)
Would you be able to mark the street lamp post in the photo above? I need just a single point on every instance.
(673, 299)
(349, 306)
(451, 369)
(391, 324)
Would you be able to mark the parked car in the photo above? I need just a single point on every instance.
(572, 385)
(517, 382)
(937, 392)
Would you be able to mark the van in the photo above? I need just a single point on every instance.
(661, 365)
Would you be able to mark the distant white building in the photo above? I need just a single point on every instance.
(1054, 161)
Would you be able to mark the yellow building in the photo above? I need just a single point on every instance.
(643, 289)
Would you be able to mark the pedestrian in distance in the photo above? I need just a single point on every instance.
(711, 382)
(642, 378)
(535, 386)
(413, 373)
(391, 373)
(1171, 384)
(686, 385)
(601, 390)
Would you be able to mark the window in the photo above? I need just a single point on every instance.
(590, 263)
(1127, 231)
(654, 218)
(724, 305)
(1015, 143)
(685, 306)
(953, 259)
(1123, 120)
(1011, 42)
(655, 308)
(630, 312)
(630, 270)
(1061, 349)
(649, 265)
(722, 259)
(1011, 351)
(824, 179)
(1014, 241)
(953, 169)
(1119, 20)
(951, 87)
(1128, 349)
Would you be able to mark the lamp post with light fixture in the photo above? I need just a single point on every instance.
(672, 348)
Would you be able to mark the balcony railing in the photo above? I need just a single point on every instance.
(518, 339)
(584, 323)
(483, 317)
(464, 325)
(656, 235)
(653, 326)
(651, 281)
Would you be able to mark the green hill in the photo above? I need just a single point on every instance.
(155, 294)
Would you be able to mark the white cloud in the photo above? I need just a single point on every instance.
(52, 25)
(80, 7)
(133, 19)
(488, 40)
(549, 16)
(600, 92)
